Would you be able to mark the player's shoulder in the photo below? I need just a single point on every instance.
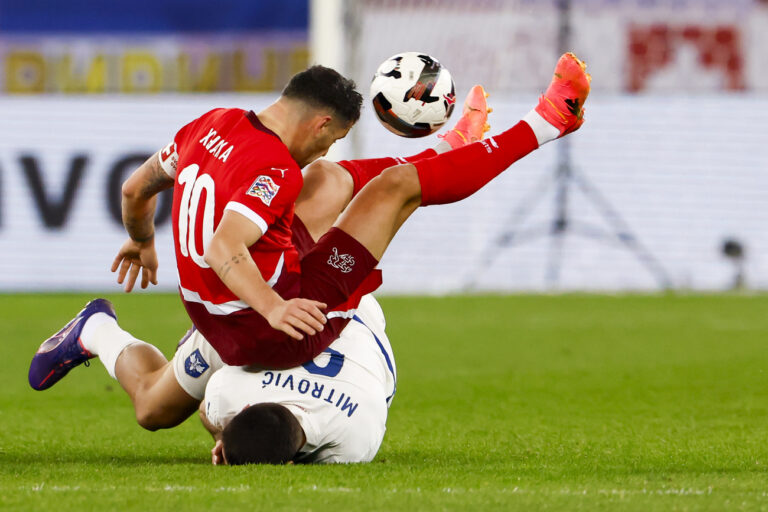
(216, 115)
(282, 173)
(221, 112)
(270, 182)
(206, 123)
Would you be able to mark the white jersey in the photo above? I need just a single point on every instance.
(340, 399)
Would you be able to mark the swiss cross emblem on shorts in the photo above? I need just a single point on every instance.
(264, 188)
(343, 262)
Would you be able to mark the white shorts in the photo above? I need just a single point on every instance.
(194, 362)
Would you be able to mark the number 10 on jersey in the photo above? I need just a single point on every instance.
(194, 186)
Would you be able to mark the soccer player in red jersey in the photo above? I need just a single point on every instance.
(255, 326)
(236, 178)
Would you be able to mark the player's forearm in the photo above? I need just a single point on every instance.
(139, 217)
(140, 198)
(213, 430)
(233, 264)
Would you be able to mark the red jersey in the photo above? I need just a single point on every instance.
(227, 160)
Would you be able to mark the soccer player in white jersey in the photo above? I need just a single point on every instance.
(330, 410)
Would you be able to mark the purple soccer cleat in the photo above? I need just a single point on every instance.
(64, 350)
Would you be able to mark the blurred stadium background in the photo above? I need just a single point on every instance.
(664, 187)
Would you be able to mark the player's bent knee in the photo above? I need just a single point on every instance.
(153, 420)
(322, 166)
(168, 412)
(399, 181)
(150, 420)
(325, 171)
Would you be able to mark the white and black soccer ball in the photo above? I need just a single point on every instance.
(412, 94)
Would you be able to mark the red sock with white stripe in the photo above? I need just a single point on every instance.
(365, 170)
(453, 176)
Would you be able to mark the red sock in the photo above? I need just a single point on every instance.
(427, 153)
(457, 174)
(363, 171)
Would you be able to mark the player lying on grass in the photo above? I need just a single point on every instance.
(333, 409)
(166, 393)
(335, 269)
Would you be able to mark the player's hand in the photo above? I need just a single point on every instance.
(217, 454)
(134, 257)
(297, 316)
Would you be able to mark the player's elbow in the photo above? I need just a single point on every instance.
(215, 252)
(210, 254)
(130, 190)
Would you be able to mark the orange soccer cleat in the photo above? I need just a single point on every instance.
(473, 122)
(562, 105)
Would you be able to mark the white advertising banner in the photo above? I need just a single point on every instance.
(630, 45)
(649, 193)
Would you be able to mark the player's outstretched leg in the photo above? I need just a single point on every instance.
(460, 173)
(470, 127)
(140, 368)
(64, 350)
(330, 186)
(376, 214)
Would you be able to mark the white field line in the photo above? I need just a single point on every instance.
(566, 491)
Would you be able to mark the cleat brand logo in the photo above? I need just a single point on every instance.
(195, 365)
(573, 106)
(343, 262)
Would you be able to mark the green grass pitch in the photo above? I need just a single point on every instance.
(504, 403)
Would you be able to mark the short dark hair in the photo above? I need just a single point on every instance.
(325, 87)
(262, 434)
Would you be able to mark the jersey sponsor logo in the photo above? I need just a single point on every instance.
(343, 262)
(195, 365)
(264, 188)
(215, 145)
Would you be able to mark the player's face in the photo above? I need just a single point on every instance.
(321, 140)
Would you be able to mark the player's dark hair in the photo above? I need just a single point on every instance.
(262, 434)
(325, 87)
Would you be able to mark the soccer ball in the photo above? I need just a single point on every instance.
(412, 94)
